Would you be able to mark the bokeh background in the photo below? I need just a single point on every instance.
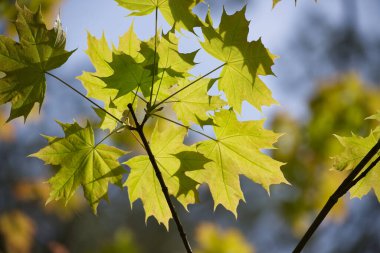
(327, 81)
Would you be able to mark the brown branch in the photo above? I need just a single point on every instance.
(164, 188)
(351, 180)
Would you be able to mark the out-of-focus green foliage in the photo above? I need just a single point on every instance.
(123, 242)
(214, 240)
(18, 231)
(338, 106)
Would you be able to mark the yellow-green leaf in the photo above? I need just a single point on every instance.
(355, 148)
(81, 162)
(101, 55)
(24, 63)
(192, 104)
(244, 61)
(176, 14)
(236, 152)
(174, 159)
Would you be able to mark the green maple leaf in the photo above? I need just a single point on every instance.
(101, 55)
(236, 152)
(132, 70)
(176, 13)
(192, 104)
(174, 159)
(24, 63)
(171, 65)
(127, 75)
(355, 148)
(81, 162)
(244, 61)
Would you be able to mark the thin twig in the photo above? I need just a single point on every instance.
(109, 135)
(164, 188)
(364, 173)
(159, 86)
(154, 57)
(187, 86)
(137, 95)
(184, 126)
(89, 100)
(346, 185)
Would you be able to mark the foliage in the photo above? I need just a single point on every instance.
(18, 231)
(144, 81)
(81, 162)
(214, 240)
(355, 148)
(338, 106)
(24, 64)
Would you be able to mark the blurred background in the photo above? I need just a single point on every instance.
(327, 81)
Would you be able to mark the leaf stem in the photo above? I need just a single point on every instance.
(187, 86)
(187, 127)
(137, 95)
(83, 96)
(109, 135)
(154, 57)
(159, 86)
(351, 180)
(164, 188)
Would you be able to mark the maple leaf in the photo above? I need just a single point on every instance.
(175, 13)
(171, 65)
(24, 63)
(129, 73)
(173, 159)
(244, 61)
(355, 148)
(236, 152)
(192, 104)
(81, 162)
(101, 55)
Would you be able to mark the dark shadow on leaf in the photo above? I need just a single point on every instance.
(190, 161)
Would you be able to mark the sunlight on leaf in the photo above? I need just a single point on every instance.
(236, 152)
(174, 159)
(245, 61)
(81, 163)
(24, 63)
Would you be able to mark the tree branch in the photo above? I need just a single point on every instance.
(343, 188)
(164, 188)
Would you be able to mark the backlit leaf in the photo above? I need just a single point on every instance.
(24, 63)
(81, 162)
(174, 159)
(192, 104)
(355, 148)
(176, 13)
(236, 152)
(244, 61)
